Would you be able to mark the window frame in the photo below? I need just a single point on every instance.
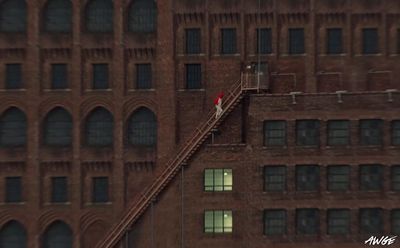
(267, 131)
(369, 128)
(144, 76)
(278, 218)
(303, 186)
(55, 198)
(367, 40)
(395, 178)
(267, 48)
(395, 132)
(395, 221)
(223, 227)
(362, 218)
(13, 195)
(14, 76)
(331, 130)
(214, 187)
(296, 45)
(228, 48)
(106, 80)
(331, 182)
(63, 84)
(193, 46)
(367, 176)
(96, 199)
(302, 140)
(268, 182)
(193, 81)
(334, 44)
(331, 225)
(307, 229)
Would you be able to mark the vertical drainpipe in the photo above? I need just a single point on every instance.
(182, 208)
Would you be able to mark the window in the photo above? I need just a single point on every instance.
(296, 41)
(307, 178)
(307, 221)
(264, 41)
(371, 221)
(338, 178)
(100, 76)
(13, 235)
(13, 76)
(59, 189)
(57, 129)
(58, 16)
(371, 132)
(99, 16)
(13, 16)
(275, 222)
(307, 132)
(396, 132)
(13, 128)
(274, 178)
(59, 76)
(218, 221)
(334, 38)
(218, 180)
(228, 38)
(13, 189)
(396, 178)
(59, 235)
(338, 133)
(395, 221)
(193, 76)
(100, 189)
(143, 76)
(371, 177)
(398, 41)
(99, 128)
(142, 128)
(370, 41)
(274, 133)
(338, 221)
(193, 40)
(142, 17)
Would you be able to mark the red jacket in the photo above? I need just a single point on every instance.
(220, 95)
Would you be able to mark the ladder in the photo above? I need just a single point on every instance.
(201, 133)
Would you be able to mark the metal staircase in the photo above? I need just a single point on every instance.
(137, 207)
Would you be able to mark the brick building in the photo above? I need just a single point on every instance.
(97, 95)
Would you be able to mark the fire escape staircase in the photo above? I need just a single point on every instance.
(138, 206)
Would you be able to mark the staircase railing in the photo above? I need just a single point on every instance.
(185, 151)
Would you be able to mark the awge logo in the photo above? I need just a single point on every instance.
(384, 240)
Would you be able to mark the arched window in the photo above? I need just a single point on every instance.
(13, 235)
(99, 16)
(13, 16)
(142, 16)
(99, 128)
(57, 128)
(142, 128)
(57, 235)
(13, 128)
(58, 16)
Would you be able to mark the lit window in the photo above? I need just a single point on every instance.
(275, 222)
(338, 177)
(338, 221)
(371, 221)
(228, 38)
(307, 178)
(307, 132)
(218, 221)
(274, 133)
(371, 177)
(307, 221)
(371, 132)
(217, 179)
(338, 133)
(274, 178)
(296, 41)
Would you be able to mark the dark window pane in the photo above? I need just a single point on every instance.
(58, 16)
(371, 221)
(396, 132)
(100, 189)
(371, 132)
(142, 16)
(99, 16)
(370, 41)
(59, 76)
(275, 133)
(142, 128)
(13, 76)
(338, 133)
(275, 222)
(395, 178)
(338, 221)
(58, 235)
(296, 41)
(143, 76)
(228, 37)
(13, 235)
(307, 178)
(100, 76)
(58, 128)
(395, 221)
(334, 37)
(338, 178)
(59, 186)
(371, 177)
(13, 16)
(99, 128)
(307, 221)
(13, 128)
(307, 132)
(13, 189)
(193, 76)
(193, 41)
(274, 178)
(264, 41)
